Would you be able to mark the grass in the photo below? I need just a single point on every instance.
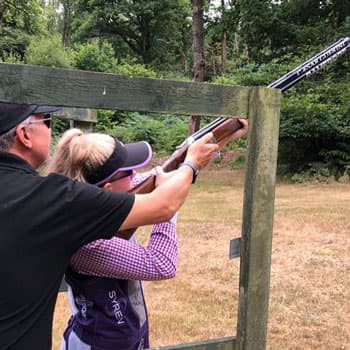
(310, 284)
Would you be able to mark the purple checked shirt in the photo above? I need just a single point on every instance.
(122, 259)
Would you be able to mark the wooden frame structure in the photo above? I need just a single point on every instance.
(82, 89)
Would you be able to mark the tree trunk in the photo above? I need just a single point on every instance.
(213, 62)
(198, 53)
(67, 18)
(184, 63)
(223, 53)
(235, 44)
(223, 41)
(3, 9)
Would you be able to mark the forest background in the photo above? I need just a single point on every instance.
(239, 42)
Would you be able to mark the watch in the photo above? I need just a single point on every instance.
(193, 167)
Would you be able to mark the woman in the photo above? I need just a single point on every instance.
(104, 277)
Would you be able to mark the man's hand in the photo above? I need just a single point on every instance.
(202, 151)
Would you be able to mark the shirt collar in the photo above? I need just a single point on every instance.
(9, 160)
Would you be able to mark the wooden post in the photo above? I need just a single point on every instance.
(258, 213)
(80, 118)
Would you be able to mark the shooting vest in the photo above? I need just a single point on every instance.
(107, 313)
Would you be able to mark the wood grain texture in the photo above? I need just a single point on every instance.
(83, 89)
(258, 215)
(214, 344)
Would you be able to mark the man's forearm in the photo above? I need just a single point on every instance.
(161, 204)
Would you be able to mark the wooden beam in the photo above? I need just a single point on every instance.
(215, 344)
(81, 118)
(258, 214)
(83, 89)
(77, 114)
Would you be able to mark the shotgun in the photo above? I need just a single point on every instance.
(223, 127)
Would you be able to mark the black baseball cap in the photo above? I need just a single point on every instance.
(12, 114)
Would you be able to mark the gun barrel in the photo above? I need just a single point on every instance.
(312, 64)
(292, 72)
(312, 70)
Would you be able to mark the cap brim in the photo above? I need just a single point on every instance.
(134, 156)
(46, 109)
(139, 154)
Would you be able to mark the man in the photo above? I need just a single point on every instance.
(44, 220)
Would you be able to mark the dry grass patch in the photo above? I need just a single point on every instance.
(310, 285)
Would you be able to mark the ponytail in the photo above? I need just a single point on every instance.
(78, 154)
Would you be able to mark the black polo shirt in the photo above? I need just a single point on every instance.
(43, 221)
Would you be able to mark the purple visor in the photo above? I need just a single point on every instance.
(124, 157)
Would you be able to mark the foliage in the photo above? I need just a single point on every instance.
(93, 57)
(265, 39)
(57, 128)
(315, 123)
(101, 58)
(151, 31)
(163, 132)
(19, 20)
(48, 51)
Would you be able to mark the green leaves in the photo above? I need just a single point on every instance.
(47, 51)
(152, 31)
(163, 132)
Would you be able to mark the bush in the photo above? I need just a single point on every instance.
(48, 51)
(163, 132)
(95, 58)
(101, 58)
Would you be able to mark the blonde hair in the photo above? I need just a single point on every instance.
(79, 154)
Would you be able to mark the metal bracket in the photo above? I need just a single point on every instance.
(234, 248)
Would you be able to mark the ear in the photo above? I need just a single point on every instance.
(107, 186)
(24, 137)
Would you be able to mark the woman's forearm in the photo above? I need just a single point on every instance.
(122, 259)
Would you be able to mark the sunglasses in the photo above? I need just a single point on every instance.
(122, 175)
(47, 120)
(119, 176)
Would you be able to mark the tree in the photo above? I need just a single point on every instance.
(19, 20)
(151, 30)
(255, 25)
(67, 21)
(3, 9)
(340, 11)
(223, 40)
(198, 53)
